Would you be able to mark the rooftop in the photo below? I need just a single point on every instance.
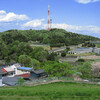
(39, 71)
(24, 68)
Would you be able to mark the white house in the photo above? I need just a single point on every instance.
(11, 69)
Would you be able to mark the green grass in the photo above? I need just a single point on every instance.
(53, 91)
(98, 45)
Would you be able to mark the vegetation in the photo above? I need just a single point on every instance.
(88, 44)
(14, 43)
(20, 81)
(85, 69)
(97, 45)
(81, 60)
(53, 91)
(63, 54)
(58, 69)
(15, 46)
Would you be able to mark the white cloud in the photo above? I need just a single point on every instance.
(8, 17)
(86, 1)
(33, 23)
(88, 30)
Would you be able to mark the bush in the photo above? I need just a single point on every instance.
(20, 81)
(80, 60)
(63, 54)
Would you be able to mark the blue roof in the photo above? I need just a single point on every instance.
(24, 68)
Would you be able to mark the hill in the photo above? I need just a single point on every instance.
(14, 43)
(54, 37)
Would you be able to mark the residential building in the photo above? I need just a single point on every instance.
(40, 73)
(23, 71)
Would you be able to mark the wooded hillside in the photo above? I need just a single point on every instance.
(14, 43)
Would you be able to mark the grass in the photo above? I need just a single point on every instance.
(52, 91)
(98, 45)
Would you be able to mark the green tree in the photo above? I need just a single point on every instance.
(40, 54)
(52, 57)
(26, 60)
(59, 69)
(35, 64)
(63, 54)
(85, 69)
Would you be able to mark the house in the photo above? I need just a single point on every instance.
(10, 69)
(1, 73)
(23, 72)
(40, 73)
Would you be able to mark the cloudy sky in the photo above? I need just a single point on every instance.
(80, 16)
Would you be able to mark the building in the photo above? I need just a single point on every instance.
(23, 72)
(40, 73)
(1, 73)
(80, 50)
(10, 69)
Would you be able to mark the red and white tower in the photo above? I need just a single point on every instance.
(49, 23)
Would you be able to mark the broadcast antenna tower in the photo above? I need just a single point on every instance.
(49, 23)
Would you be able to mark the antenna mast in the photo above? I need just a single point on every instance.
(49, 19)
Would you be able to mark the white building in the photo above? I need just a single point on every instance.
(11, 69)
(80, 50)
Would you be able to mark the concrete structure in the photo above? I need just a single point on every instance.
(95, 42)
(59, 50)
(80, 50)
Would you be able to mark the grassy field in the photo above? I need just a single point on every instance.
(53, 91)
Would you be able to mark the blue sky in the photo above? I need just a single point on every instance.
(80, 16)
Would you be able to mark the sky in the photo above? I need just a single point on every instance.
(79, 16)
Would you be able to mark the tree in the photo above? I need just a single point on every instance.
(26, 60)
(81, 60)
(96, 69)
(59, 69)
(35, 64)
(63, 54)
(52, 57)
(85, 69)
(40, 54)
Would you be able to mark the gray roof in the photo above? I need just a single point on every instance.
(11, 81)
(39, 71)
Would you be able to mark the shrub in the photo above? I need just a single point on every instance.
(80, 60)
(63, 54)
